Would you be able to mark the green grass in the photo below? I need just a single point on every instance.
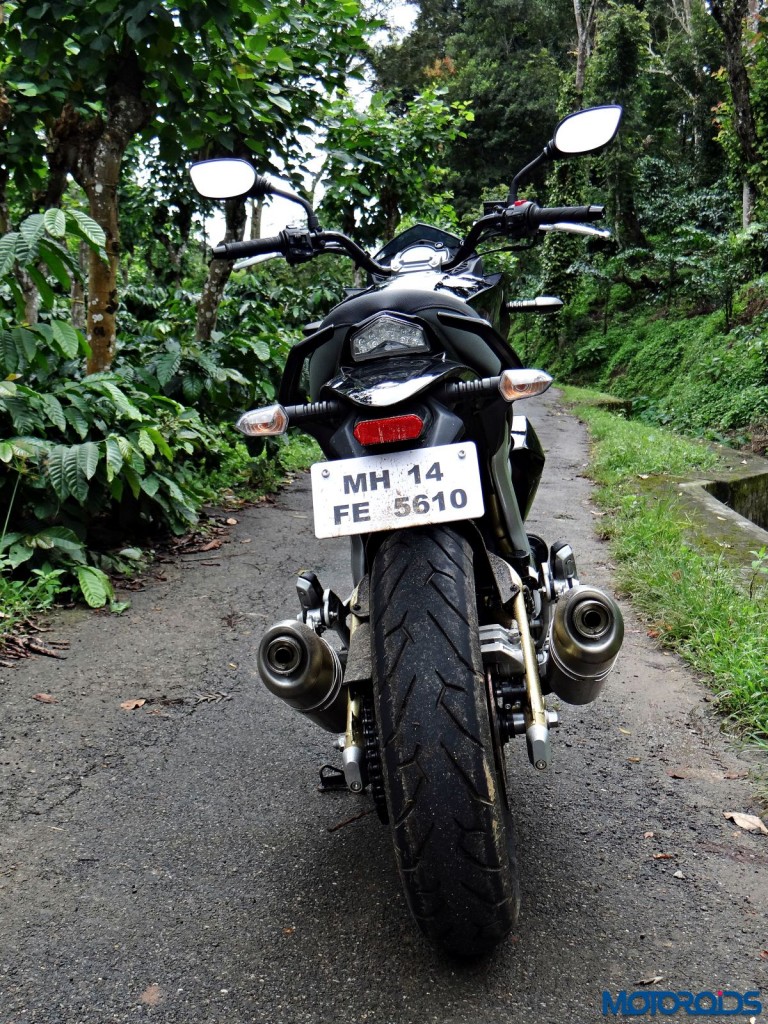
(712, 612)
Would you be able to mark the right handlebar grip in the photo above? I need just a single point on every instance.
(254, 247)
(556, 214)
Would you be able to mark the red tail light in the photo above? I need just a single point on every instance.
(390, 430)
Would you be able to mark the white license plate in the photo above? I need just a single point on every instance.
(400, 489)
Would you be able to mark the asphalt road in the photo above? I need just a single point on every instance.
(176, 862)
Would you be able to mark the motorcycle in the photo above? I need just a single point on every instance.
(459, 622)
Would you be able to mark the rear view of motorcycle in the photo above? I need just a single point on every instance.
(459, 623)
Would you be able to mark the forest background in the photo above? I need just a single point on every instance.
(123, 360)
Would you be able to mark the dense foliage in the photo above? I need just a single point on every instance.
(121, 353)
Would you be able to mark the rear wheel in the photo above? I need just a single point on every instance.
(447, 806)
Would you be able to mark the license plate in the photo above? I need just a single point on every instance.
(400, 489)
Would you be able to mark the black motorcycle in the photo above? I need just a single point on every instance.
(459, 621)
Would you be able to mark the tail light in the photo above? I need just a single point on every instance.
(389, 430)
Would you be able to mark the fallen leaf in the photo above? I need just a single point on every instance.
(643, 476)
(663, 856)
(749, 822)
(44, 698)
(648, 835)
(212, 545)
(634, 760)
(764, 954)
(737, 775)
(288, 931)
(231, 521)
(678, 874)
(151, 996)
(653, 980)
(625, 731)
(676, 773)
(131, 705)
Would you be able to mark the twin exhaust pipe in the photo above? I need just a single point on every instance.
(587, 630)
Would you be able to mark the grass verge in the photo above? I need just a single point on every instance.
(715, 614)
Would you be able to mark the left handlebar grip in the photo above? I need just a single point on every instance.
(254, 247)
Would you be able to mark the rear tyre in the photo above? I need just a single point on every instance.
(448, 814)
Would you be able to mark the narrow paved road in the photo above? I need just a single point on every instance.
(176, 862)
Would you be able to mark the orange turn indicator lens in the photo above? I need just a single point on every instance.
(267, 422)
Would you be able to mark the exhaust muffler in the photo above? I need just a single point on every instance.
(585, 638)
(300, 667)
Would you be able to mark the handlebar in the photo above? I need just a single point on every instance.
(298, 245)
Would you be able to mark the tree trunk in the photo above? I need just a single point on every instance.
(93, 151)
(101, 189)
(585, 27)
(219, 272)
(257, 209)
(730, 16)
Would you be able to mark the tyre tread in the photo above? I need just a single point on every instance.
(451, 829)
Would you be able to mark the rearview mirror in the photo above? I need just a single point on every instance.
(223, 179)
(586, 130)
(582, 132)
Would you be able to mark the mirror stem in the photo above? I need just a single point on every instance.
(543, 155)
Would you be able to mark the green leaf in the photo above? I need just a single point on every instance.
(77, 420)
(166, 366)
(46, 292)
(7, 252)
(122, 404)
(30, 231)
(56, 261)
(114, 458)
(160, 443)
(133, 480)
(94, 585)
(67, 338)
(192, 387)
(146, 444)
(6, 452)
(55, 223)
(280, 101)
(54, 411)
(61, 538)
(70, 467)
(85, 227)
(150, 485)
(18, 554)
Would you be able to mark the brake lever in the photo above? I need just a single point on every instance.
(577, 229)
(253, 260)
